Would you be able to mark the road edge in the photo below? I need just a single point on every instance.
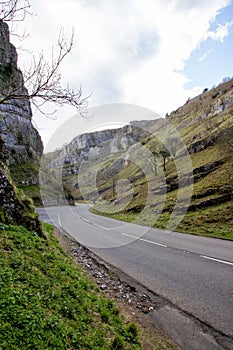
(183, 328)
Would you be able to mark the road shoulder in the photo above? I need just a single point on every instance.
(134, 304)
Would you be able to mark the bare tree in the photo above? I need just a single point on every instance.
(43, 79)
(14, 10)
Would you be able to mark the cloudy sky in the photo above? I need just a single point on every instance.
(152, 53)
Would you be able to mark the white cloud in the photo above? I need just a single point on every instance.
(221, 32)
(128, 51)
(203, 57)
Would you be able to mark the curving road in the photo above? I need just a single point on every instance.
(194, 273)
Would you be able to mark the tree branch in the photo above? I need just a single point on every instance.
(14, 10)
(43, 82)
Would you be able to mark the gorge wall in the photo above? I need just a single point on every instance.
(20, 142)
(22, 139)
(96, 145)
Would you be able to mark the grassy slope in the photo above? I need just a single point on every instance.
(47, 302)
(214, 220)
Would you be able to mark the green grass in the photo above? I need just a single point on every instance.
(47, 302)
(24, 171)
(33, 192)
(123, 216)
(215, 221)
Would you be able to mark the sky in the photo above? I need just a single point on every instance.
(152, 53)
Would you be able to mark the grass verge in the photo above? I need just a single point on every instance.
(215, 221)
(47, 302)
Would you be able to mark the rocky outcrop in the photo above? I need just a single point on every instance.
(101, 144)
(211, 202)
(203, 108)
(22, 139)
(91, 147)
(15, 207)
(20, 142)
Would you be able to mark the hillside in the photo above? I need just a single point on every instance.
(173, 173)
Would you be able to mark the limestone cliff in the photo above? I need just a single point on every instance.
(20, 143)
(15, 207)
(100, 144)
(22, 139)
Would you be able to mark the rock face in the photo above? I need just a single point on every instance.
(19, 141)
(22, 139)
(101, 144)
(92, 146)
(204, 109)
(15, 208)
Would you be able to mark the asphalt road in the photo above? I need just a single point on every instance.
(194, 273)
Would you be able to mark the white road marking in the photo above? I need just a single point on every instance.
(59, 220)
(218, 260)
(83, 219)
(106, 228)
(144, 240)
